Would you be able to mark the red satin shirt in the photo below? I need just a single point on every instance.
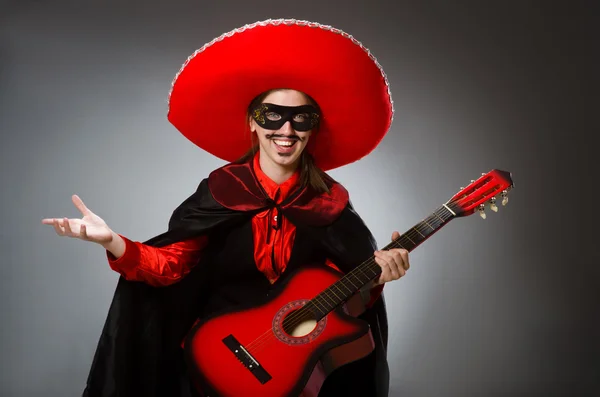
(161, 266)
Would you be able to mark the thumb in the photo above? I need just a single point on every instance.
(395, 235)
(80, 206)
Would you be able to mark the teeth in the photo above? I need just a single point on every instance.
(284, 143)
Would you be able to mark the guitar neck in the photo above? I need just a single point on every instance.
(369, 270)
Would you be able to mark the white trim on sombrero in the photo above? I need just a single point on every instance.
(276, 22)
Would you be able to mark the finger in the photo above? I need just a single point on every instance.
(385, 275)
(57, 227)
(395, 235)
(67, 226)
(80, 206)
(83, 232)
(396, 263)
(396, 268)
(401, 257)
(48, 221)
(385, 254)
(386, 259)
(405, 260)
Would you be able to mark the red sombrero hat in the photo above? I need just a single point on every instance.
(212, 91)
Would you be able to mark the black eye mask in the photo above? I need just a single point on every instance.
(273, 117)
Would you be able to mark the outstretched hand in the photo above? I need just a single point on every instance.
(89, 228)
(394, 263)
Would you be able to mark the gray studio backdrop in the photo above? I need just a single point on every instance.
(505, 306)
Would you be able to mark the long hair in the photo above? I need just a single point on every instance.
(310, 174)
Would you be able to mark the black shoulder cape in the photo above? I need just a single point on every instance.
(139, 350)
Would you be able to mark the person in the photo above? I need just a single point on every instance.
(282, 101)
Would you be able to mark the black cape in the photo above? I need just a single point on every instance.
(139, 352)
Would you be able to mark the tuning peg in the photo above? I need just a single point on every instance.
(504, 197)
(493, 205)
(472, 180)
(482, 211)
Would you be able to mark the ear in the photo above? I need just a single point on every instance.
(251, 124)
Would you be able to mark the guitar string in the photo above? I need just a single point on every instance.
(299, 315)
(293, 320)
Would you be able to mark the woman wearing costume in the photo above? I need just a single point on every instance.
(318, 102)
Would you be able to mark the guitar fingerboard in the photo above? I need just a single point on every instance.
(354, 280)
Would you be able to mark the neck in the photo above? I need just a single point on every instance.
(277, 172)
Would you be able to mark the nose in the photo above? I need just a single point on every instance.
(287, 128)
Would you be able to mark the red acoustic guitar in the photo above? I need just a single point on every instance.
(288, 346)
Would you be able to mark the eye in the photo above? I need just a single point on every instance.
(273, 116)
(301, 117)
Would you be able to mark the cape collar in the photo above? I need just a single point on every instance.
(236, 186)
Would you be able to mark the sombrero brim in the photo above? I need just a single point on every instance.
(211, 93)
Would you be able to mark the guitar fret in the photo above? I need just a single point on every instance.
(344, 284)
(369, 270)
(359, 280)
(336, 295)
(438, 217)
(417, 229)
(316, 299)
(447, 212)
(320, 313)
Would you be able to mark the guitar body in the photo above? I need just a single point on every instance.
(269, 350)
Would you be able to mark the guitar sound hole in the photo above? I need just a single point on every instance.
(299, 323)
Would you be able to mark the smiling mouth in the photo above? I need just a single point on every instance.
(284, 143)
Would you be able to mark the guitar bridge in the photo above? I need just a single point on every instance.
(246, 358)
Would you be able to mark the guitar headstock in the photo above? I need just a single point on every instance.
(489, 187)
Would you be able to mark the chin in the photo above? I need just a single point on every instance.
(285, 160)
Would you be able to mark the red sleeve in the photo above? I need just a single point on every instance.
(157, 266)
(375, 291)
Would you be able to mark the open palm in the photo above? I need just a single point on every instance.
(89, 228)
